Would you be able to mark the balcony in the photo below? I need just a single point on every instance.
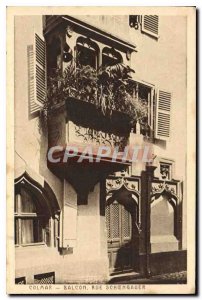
(93, 108)
(95, 112)
(91, 98)
(80, 124)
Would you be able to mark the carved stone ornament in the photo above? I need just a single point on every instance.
(100, 138)
(165, 171)
(116, 183)
(69, 31)
(163, 187)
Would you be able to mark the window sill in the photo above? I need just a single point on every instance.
(30, 245)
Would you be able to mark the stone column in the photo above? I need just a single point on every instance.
(145, 246)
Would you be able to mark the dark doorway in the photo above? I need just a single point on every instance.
(119, 237)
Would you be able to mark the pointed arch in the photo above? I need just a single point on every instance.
(170, 196)
(42, 191)
(36, 211)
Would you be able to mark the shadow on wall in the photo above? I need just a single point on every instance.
(55, 182)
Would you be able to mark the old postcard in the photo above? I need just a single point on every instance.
(101, 150)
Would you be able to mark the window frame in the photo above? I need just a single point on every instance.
(19, 216)
(151, 116)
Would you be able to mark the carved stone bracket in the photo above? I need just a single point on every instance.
(69, 31)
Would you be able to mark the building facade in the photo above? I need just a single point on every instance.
(83, 222)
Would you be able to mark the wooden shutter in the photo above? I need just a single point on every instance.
(68, 219)
(36, 74)
(150, 25)
(163, 115)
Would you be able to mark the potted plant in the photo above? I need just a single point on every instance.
(110, 89)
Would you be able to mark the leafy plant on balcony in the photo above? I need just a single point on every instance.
(110, 89)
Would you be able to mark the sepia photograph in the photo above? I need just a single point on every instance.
(101, 150)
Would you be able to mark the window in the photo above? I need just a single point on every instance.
(135, 21)
(31, 223)
(87, 52)
(144, 92)
(20, 280)
(45, 278)
(110, 57)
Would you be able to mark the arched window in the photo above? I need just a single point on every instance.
(110, 57)
(31, 219)
(87, 52)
